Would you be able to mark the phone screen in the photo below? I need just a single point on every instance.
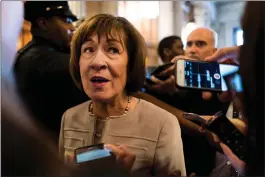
(91, 153)
(206, 75)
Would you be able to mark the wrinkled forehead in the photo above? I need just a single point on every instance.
(201, 35)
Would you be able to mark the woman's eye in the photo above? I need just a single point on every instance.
(88, 50)
(113, 50)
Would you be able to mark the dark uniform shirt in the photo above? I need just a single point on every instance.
(44, 81)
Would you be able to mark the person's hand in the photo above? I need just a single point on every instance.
(205, 95)
(227, 54)
(181, 57)
(171, 70)
(123, 155)
(223, 97)
(214, 140)
(167, 86)
(237, 163)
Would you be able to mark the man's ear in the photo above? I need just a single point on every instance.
(167, 52)
(42, 23)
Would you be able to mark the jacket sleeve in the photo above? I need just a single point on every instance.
(169, 156)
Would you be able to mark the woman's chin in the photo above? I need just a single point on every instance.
(100, 98)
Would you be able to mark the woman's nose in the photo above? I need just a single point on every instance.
(99, 61)
(98, 66)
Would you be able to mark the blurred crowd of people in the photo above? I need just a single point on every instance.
(72, 87)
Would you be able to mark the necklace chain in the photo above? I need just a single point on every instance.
(90, 109)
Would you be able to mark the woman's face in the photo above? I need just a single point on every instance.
(103, 66)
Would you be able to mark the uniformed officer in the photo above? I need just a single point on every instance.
(42, 66)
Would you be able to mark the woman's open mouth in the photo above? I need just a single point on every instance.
(98, 81)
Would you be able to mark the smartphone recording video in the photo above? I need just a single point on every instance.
(203, 75)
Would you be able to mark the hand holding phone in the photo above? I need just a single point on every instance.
(123, 155)
(207, 76)
(160, 69)
(91, 153)
(93, 157)
(149, 81)
(98, 160)
(155, 72)
(238, 164)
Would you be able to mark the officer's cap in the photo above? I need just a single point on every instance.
(35, 9)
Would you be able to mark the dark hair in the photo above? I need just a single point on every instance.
(252, 55)
(166, 43)
(114, 27)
